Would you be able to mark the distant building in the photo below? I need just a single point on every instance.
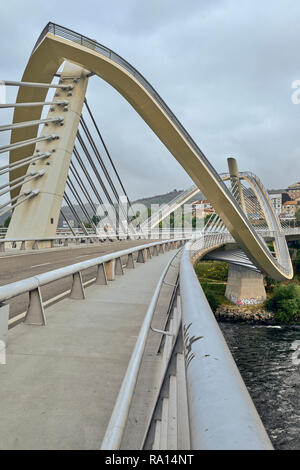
(286, 197)
(289, 208)
(202, 208)
(276, 199)
(68, 224)
(294, 190)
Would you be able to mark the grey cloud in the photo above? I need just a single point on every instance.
(224, 67)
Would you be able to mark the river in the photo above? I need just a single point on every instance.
(270, 367)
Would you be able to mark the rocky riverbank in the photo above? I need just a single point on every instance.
(255, 314)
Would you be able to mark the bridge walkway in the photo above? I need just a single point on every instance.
(60, 383)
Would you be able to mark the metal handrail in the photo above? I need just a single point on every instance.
(13, 289)
(221, 412)
(115, 429)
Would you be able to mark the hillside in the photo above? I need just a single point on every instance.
(147, 201)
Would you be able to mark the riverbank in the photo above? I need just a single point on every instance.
(281, 307)
(255, 315)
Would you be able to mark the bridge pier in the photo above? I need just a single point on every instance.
(244, 286)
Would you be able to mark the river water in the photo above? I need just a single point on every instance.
(270, 367)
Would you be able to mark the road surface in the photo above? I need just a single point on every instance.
(15, 267)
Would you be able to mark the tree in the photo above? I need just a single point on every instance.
(96, 219)
(211, 297)
(285, 303)
(297, 215)
(7, 221)
(297, 263)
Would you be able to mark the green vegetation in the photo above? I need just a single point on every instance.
(213, 270)
(283, 298)
(297, 214)
(7, 221)
(297, 263)
(213, 276)
(212, 297)
(285, 303)
(96, 219)
(270, 284)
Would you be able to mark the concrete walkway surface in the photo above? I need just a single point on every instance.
(60, 383)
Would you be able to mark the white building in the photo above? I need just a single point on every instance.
(276, 199)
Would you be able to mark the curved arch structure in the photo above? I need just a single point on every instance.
(57, 44)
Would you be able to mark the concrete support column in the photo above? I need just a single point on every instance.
(235, 182)
(244, 286)
(38, 217)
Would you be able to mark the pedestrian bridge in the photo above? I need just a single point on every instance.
(133, 361)
(132, 357)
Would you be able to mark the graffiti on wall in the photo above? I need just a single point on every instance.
(250, 301)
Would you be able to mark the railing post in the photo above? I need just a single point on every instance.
(141, 256)
(119, 267)
(77, 291)
(35, 314)
(23, 245)
(110, 270)
(101, 278)
(2, 246)
(130, 261)
(155, 251)
(4, 314)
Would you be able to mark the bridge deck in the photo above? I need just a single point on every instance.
(60, 382)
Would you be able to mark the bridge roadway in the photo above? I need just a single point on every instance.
(61, 381)
(16, 265)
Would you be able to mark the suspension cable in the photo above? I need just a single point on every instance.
(90, 181)
(78, 182)
(98, 177)
(20, 125)
(15, 198)
(69, 225)
(84, 191)
(79, 201)
(36, 175)
(20, 163)
(32, 194)
(73, 210)
(34, 103)
(36, 85)
(24, 143)
(98, 156)
(103, 167)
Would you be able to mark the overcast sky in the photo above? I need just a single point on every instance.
(224, 67)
